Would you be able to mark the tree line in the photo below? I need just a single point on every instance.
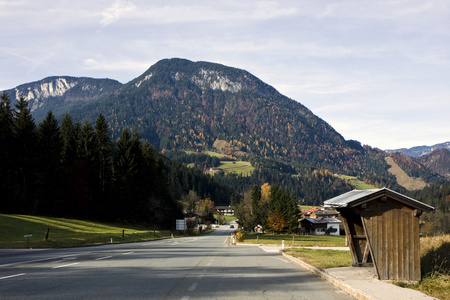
(269, 207)
(74, 169)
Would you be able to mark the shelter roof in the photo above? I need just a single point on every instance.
(357, 197)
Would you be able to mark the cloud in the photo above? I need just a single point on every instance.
(113, 13)
(116, 64)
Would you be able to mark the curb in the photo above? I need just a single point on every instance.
(330, 279)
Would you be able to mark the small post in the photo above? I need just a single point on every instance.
(123, 232)
(293, 240)
(257, 239)
(111, 240)
(282, 244)
(28, 239)
(46, 235)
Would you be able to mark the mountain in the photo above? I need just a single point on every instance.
(420, 150)
(62, 94)
(438, 161)
(179, 104)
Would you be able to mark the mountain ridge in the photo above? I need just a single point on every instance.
(418, 151)
(180, 104)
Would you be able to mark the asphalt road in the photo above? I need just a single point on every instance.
(205, 267)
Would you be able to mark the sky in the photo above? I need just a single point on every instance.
(376, 71)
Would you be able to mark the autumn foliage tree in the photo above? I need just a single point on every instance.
(276, 221)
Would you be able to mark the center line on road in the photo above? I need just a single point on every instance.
(193, 287)
(11, 276)
(100, 258)
(128, 253)
(68, 265)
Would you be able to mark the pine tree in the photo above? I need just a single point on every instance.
(49, 174)
(104, 162)
(126, 172)
(25, 136)
(6, 154)
(70, 139)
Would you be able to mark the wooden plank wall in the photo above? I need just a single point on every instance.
(356, 237)
(393, 233)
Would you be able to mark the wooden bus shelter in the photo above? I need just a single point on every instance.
(382, 230)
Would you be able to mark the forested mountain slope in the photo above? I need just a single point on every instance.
(180, 104)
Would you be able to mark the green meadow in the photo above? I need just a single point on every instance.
(68, 232)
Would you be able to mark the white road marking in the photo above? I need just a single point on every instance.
(185, 298)
(106, 257)
(193, 287)
(11, 276)
(63, 266)
(41, 259)
(283, 260)
(128, 253)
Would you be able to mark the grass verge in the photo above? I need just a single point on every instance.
(435, 265)
(322, 259)
(294, 240)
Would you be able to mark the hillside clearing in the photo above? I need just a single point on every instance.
(356, 183)
(403, 179)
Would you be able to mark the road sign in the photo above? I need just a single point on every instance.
(181, 224)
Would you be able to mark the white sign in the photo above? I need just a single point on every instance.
(181, 224)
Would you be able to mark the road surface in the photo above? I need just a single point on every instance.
(204, 267)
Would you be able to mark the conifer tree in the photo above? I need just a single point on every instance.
(6, 153)
(69, 137)
(126, 171)
(25, 136)
(104, 164)
(49, 187)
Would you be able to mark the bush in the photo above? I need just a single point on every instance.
(240, 236)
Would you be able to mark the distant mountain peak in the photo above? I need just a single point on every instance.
(205, 75)
(419, 151)
(49, 87)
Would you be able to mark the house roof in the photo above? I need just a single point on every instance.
(314, 209)
(224, 207)
(326, 212)
(357, 197)
(322, 220)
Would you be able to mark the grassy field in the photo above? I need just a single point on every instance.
(357, 184)
(243, 168)
(211, 153)
(305, 207)
(238, 167)
(67, 232)
(294, 240)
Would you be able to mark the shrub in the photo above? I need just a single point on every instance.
(240, 236)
